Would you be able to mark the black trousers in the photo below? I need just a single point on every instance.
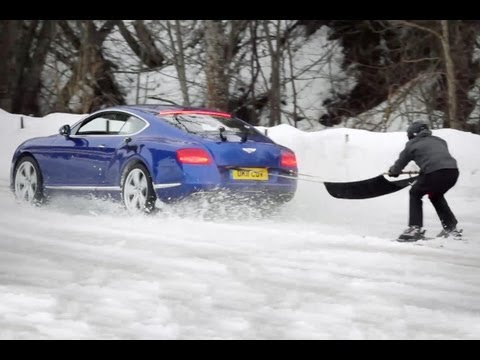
(435, 184)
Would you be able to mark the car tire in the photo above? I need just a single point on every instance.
(28, 182)
(138, 194)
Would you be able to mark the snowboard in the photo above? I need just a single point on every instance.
(432, 241)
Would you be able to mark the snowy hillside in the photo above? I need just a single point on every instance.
(322, 268)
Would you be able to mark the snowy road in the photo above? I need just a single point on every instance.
(321, 268)
(67, 272)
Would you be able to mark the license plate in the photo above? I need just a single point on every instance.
(250, 174)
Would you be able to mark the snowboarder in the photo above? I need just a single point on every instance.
(438, 174)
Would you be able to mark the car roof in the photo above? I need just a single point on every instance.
(156, 108)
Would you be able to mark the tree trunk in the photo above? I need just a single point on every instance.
(154, 57)
(23, 62)
(452, 119)
(9, 31)
(179, 59)
(144, 47)
(295, 115)
(275, 90)
(215, 69)
(92, 78)
(29, 89)
(182, 76)
(463, 38)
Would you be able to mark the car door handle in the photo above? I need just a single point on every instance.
(101, 146)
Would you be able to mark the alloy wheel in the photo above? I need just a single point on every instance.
(26, 182)
(135, 191)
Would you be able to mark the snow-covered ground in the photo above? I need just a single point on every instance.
(322, 268)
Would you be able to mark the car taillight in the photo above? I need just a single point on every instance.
(193, 156)
(288, 159)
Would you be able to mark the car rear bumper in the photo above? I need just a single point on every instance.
(207, 180)
(278, 192)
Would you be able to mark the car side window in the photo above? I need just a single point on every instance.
(104, 124)
(132, 125)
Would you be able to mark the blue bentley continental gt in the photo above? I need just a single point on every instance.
(142, 153)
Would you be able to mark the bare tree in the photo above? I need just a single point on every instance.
(28, 90)
(295, 113)
(215, 68)
(451, 120)
(9, 34)
(275, 48)
(25, 46)
(178, 50)
(143, 44)
(91, 84)
(247, 67)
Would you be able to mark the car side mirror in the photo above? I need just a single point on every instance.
(65, 130)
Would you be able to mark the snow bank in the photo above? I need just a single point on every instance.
(338, 154)
(13, 134)
(348, 154)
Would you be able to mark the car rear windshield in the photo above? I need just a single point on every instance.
(205, 123)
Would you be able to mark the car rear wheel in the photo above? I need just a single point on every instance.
(137, 190)
(28, 181)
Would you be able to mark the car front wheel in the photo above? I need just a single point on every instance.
(28, 182)
(137, 190)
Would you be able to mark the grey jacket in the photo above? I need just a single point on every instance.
(429, 152)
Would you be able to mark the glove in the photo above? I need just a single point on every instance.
(392, 173)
